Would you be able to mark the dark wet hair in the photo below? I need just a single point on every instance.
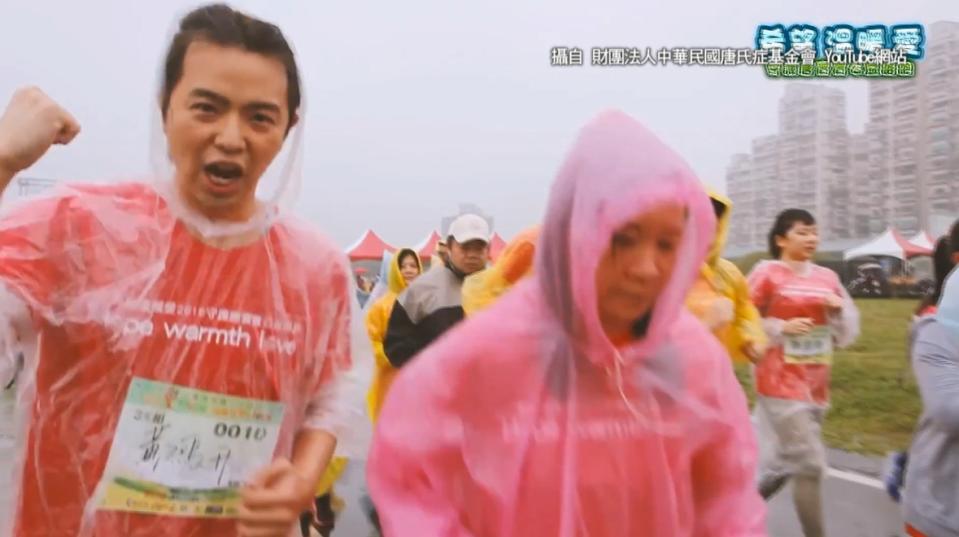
(942, 265)
(641, 326)
(404, 253)
(954, 238)
(222, 25)
(784, 222)
(719, 208)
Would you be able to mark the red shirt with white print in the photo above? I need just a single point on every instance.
(118, 288)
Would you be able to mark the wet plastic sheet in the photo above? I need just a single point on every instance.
(197, 353)
(526, 421)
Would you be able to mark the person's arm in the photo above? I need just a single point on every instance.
(30, 265)
(404, 337)
(312, 451)
(727, 502)
(748, 336)
(31, 123)
(376, 319)
(273, 500)
(17, 337)
(936, 363)
(844, 321)
(415, 463)
(760, 293)
(338, 403)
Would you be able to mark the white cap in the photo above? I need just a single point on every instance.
(469, 227)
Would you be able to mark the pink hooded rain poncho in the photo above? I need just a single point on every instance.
(527, 421)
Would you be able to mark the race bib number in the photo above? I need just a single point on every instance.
(184, 452)
(812, 348)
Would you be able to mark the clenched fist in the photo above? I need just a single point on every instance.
(833, 303)
(273, 501)
(798, 326)
(32, 123)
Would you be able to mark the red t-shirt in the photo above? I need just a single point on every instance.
(120, 289)
(779, 292)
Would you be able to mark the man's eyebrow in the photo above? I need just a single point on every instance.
(258, 106)
(223, 101)
(211, 95)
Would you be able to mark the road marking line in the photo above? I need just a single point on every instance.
(856, 478)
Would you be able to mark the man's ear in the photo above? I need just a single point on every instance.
(163, 115)
(294, 119)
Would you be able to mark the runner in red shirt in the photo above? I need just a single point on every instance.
(188, 346)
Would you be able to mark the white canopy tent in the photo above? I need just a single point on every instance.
(891, 244)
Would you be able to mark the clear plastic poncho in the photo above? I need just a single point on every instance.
(792, 379)
(798, 368)
(525, 420)
(160, 371)
(382, 285)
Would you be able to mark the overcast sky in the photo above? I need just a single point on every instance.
(417, 106)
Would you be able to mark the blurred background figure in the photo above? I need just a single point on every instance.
(434, 303)
(363, 285)
(720, 296)
(516, 262)
(944, 259)
(403, 269)
(931, 494)
(400, 271)
(806, 314)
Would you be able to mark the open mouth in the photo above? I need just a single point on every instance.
(223, 173)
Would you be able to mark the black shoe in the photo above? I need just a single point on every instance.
(769, 486)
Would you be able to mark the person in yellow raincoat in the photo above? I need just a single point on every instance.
(327, 505)
(405, 266)
(515, 263)
(720, 296)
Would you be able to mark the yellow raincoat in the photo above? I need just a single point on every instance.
(515, 263)
(332, 473)
(720, 296)
(377, 318)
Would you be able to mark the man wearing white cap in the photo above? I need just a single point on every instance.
(434, 302)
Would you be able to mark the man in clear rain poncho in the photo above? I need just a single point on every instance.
(189, 345)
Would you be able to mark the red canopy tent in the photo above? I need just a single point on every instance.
(369, 247)
(427, 247)
(912, 249)
(496, 246)
(924, 240)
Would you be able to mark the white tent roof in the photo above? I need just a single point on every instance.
(889, 244)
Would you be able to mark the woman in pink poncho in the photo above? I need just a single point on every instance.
(587, 401)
